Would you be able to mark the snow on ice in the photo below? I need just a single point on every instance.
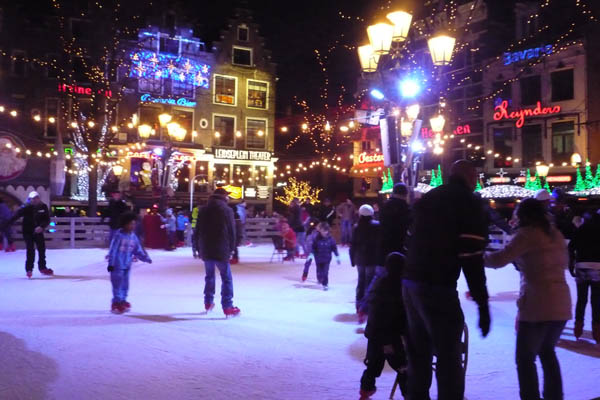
(293, 340)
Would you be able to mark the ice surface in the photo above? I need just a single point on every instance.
(292, 341)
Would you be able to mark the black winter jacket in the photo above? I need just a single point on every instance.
(584, 247)
(295, 218)
(116, 208)
(387, 318)
(365, 249)
(215, 230)
(449, 234)
(33, 216)
(395, 219)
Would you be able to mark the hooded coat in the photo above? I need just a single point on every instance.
(215, 230)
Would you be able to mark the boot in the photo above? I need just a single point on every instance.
(304, 276)
(209, 307)
(578, 329)
(596, 332)
(231, 311)
(29, 274)
(117, 307)
(46, 271)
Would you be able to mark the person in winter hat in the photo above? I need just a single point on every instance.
(395, 221)
(386, 327)
(216, 236)
(170, 224)
(365, 254)
(5, 228)
(36, 219)
(124, 246)
(322, 248)
(545, 301)
(585, 267)
(182, 223)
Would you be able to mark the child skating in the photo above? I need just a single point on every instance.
(322, 248)
(123, 247)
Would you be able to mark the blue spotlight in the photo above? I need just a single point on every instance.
(409, 88)
(378, 94)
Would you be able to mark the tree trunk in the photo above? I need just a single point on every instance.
(93, 190)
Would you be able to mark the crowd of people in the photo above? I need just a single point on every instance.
(406, 292)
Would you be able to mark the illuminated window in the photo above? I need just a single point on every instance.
(185, 119)
(225, 127)
(256, 133)
(257, 94)
(503, 144)
(225, 88)
(242, 56)
(562, 141)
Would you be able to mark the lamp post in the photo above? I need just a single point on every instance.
(192, 183)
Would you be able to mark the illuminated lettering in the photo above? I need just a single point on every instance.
(501, 112)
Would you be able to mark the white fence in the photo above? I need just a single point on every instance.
(261, 229)
(66, 232)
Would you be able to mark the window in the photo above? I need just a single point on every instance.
(503, 144)
(257, 94)
(185, 119)
(81, 29)
(221, 174)
(149, 115)
(256, 133)
(18, 66)
(562, 141)
(243, 33)
(531, 139)
(562, 85)
(51, 126)
(183, 89)
(260, 176)
(242, 175)
(168, 45)
(224, 128)
(242, 56)
(151, 85)
(502, 92)
(225, 88)
(531, 90)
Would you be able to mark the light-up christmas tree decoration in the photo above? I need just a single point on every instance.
(579, 183)
(597, 178)
(547, 186)
(478, 186)
(590, 182)
(433, 182)
(301, 190)
(528, 180)
(388, 182)
(537, 183)
(440, 180)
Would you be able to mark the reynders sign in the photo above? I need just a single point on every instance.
(231, 154)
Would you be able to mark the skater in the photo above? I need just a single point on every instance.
(295, 222)
(327, 212)
(36, 219)
(235, 257)
(194, 223)
(585, 267)
(5, 227)
(395, 221)
(215, 233)
(289, 241)
(123, 248)
(182, 223)
(346, 212)
(322, 247)
(116, 208)
(242, 211)
(170, 225)
(386, 327)
(365, 254)
(545, 302)
(451, 217)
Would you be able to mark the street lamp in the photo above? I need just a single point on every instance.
(380, 37)
(542, 170)
(437, 123)
(144, 131)
(441, 48)
(401, 21)
(117, 170)
(412, 111)
(164, 119)
(368, 58)
(576, 159)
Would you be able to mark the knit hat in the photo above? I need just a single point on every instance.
(366, 211)
(542, 195)
(33, 195)
(221, 192)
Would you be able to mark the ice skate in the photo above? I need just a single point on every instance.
(578, 329)
(126, 306)
(47, 271)
(208, 307)
(117, 308)
(325, 287)
(234, 261)
(231, 311)
(29, 274)
(11, 248)
(362, 318)
(366, 394)
(304, 276)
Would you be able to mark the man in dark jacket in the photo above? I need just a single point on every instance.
(395, 220)
(216, 236)
(116, 208)
(36, 218)
(449, 234)
(327, 212)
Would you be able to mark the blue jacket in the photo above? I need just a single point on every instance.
(322, 248)
(122, 249)
(241, 210)
(182, 221)
(5, 213)
(170, 223)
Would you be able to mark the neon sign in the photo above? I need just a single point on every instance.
(501, 112)
(374, 158)
(151, 65)
(460, 130)
(75, 89)
(183, 102)
(149, 154)
(231, 154)
(550, 179)
(528, 54)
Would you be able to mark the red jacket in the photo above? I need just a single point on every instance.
(289, 239)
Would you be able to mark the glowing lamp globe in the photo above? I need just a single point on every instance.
(437, 123)
(164, 119)
(406, 128)
(441, 48)
(412, 112)
(144, 131)
(401, 21)
(542, 170)
(576, 159)
(380, 37)
(117, 170)
(409, 88)
(172, 128)
(368, 58)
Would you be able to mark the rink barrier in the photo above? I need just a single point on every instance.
(260, 230)
(67, 232)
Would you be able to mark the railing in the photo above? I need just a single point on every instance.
(66, 232)
(261, 229)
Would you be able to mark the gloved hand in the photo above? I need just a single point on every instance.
(110, 268)
(149, 260)
(484, 320)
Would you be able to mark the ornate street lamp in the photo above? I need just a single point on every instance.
(576, 159)
(542, 170)
(144, 131)
(401, 21)
(164, 119)
(368, 58)
(437, 123)
(117, 170)
(380, 37)
(441, 48)
(412, 112)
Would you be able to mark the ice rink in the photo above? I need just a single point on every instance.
(293, 340)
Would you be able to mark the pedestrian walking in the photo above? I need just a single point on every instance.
(365, 255)
(386, 327)
(215, 233)
(347, 214)
(5, 227)
(449, 233)
(242, 211)
(322, 248)
(395, 221)
(585, 268)
(544, 303)
(124, 247)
